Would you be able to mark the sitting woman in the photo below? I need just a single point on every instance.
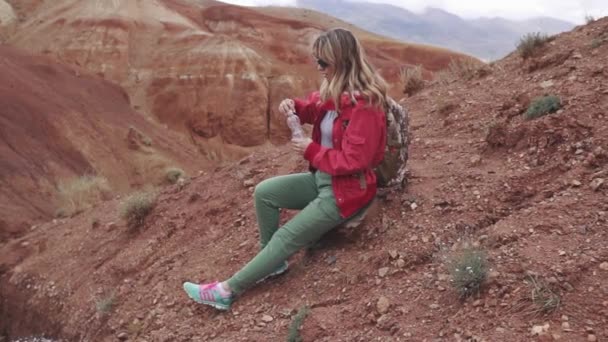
(348, 141)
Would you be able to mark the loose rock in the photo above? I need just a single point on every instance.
(383, 305)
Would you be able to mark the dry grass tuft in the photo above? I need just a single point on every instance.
(82, 193)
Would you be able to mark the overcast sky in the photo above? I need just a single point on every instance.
(571, 10)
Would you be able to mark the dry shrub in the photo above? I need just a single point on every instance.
(82, 193)
(542, 295)
(412, 79)
(468, 68)
(530, 43)
(137, 207)
(174, 174)
(150, 168)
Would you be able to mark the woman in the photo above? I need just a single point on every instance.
(348, 140)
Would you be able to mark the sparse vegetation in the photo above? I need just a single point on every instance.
(589, 19)
(173, 174)
(104, 305)
(412, 79)
(468, 269)
(542, 106)
(543, 297)
(530, 43)
(79, 194)
(468, 68)
(144, 139)
(136, 208)
(296, 323)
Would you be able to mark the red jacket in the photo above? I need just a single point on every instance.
(359, 138)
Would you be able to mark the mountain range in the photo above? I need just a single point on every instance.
(485, 38)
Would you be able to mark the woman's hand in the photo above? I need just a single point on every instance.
(287, 106)
(300, 145)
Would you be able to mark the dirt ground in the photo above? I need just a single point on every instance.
(531, 194)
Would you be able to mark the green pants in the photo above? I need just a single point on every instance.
(307, 191)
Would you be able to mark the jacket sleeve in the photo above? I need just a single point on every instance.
(359, 145)
(308, 109)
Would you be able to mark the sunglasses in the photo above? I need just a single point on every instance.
(323, 64)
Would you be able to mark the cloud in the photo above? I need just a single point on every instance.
(571, 10)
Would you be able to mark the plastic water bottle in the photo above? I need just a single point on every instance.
(293, 121)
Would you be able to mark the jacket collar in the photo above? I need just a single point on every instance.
(346, 101)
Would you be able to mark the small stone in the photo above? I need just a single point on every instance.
(434, 306)
(477, 303)
(597, 183)
(576, 183)
(604, 266)
(383, 305)
(565, 318)
(547, 84)
(249, 183)
(475, 160)
(393, 254)
(565, 326)
(591, 338)
(500, 330)
(400, 263)
(539, 330)
(562, 253)
(267, 318)
(123, 336)
(111, 226)
(382, 272)
(414, 206)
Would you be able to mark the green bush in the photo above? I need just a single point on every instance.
(105, 305)
(530, 43)
(542, 106)
(468, 269)
(296, 323)
(173, 174)
(136, 208)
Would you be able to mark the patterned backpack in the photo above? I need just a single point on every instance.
(390, 173)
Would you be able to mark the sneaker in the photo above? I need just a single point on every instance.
(279, 270)
(209, 294)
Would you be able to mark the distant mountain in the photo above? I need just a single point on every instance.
(486, 38)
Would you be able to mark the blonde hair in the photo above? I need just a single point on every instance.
(341, 49)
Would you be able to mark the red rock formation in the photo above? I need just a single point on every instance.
(208, 69)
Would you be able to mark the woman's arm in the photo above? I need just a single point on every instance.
(308, 109)
(359, 145)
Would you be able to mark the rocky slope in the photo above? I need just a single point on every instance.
(531, 194)
(58, 123)
(209, 70)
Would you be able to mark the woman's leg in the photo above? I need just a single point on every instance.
(290, 192)
(317, 218)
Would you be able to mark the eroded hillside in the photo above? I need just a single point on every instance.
(59, 123)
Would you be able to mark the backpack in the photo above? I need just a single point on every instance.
(390, 173)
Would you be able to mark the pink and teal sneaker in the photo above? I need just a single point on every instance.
(209, 294)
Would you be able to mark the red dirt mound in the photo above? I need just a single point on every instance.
(56, 123)
(535, 202)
